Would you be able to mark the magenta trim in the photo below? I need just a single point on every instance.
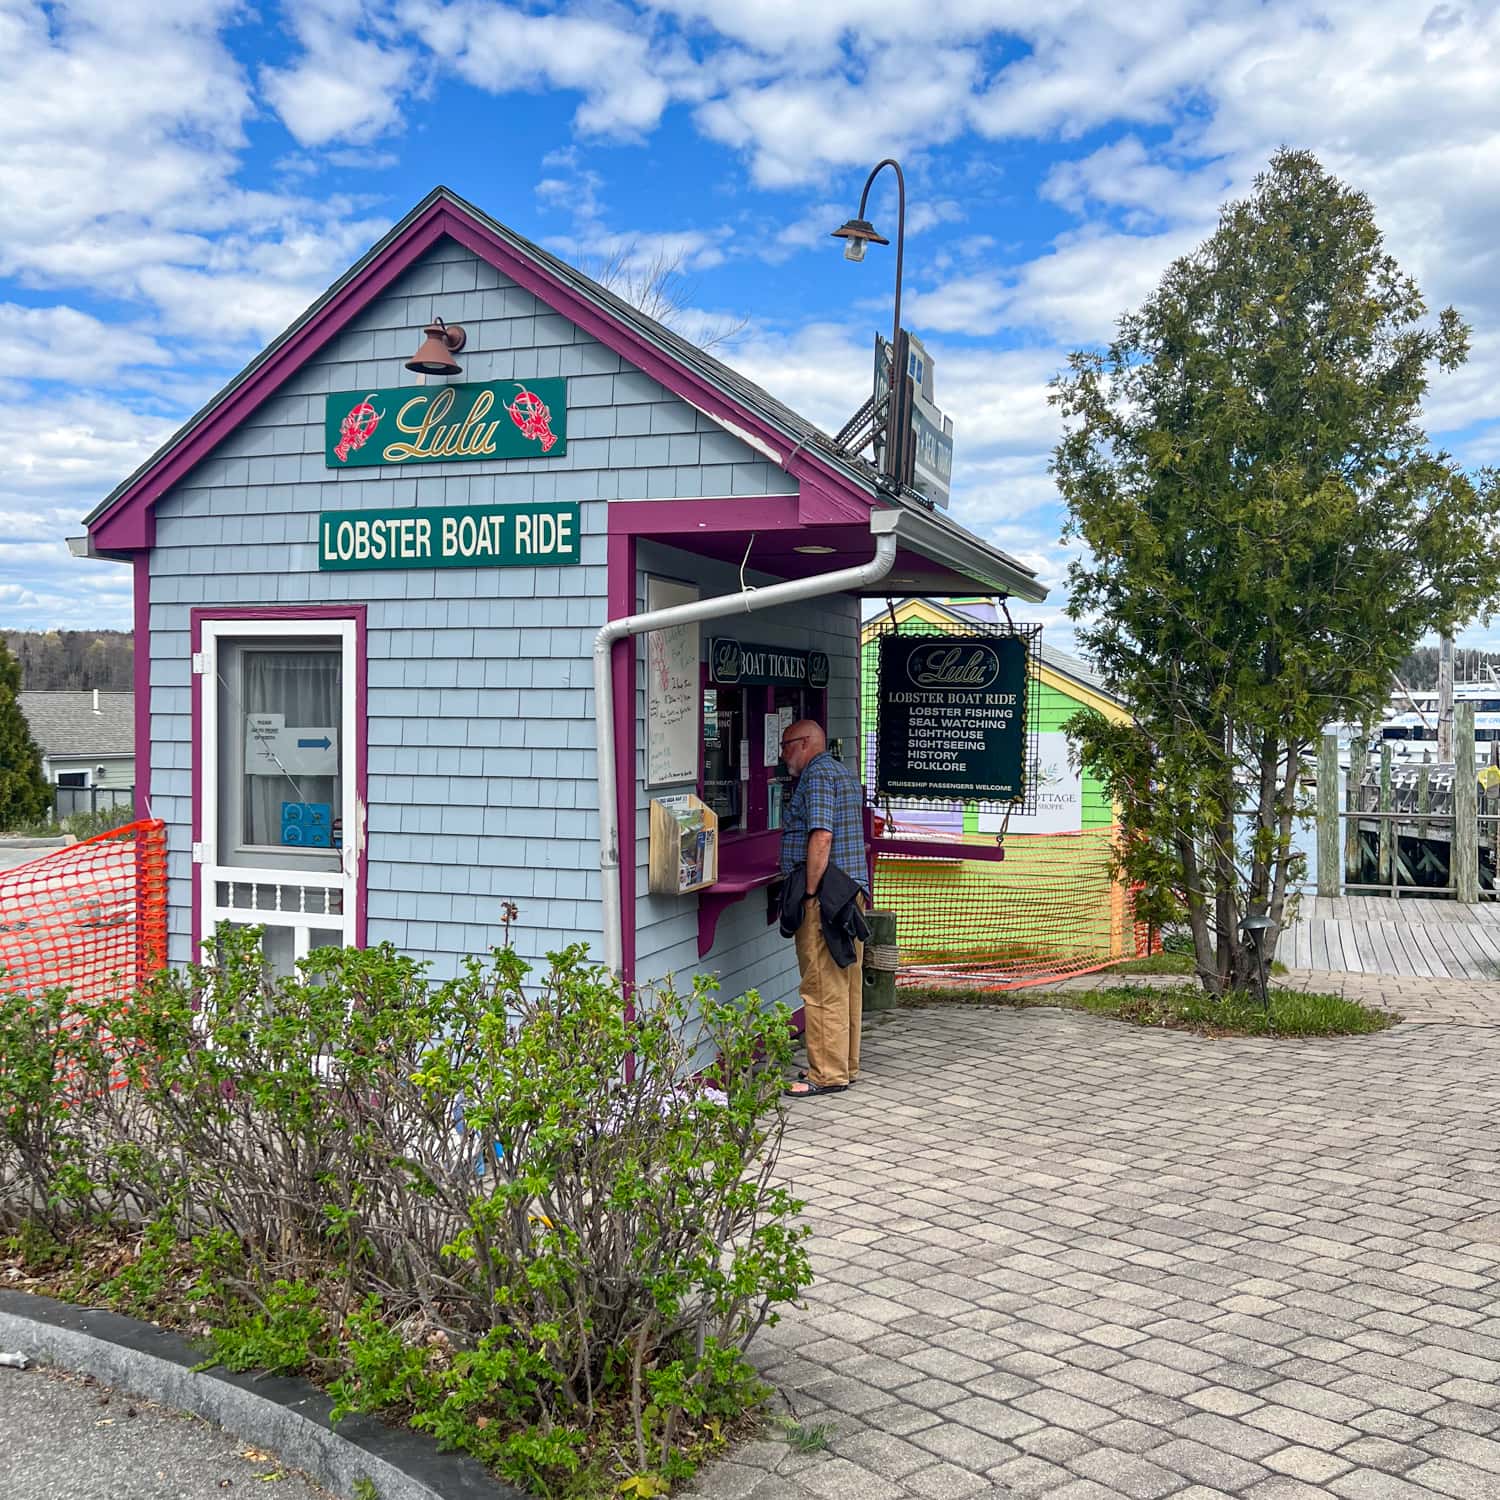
(703, 517)
(935, 849)
(355, 612)
(621, 602)
(141, 568)
(820, 503)
(127, 524)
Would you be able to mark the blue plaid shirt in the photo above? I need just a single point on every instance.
(827, 795)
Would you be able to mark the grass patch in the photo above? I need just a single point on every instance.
(1169, 963)
(1156, 963)
(1182, 1008)
(807, 1437)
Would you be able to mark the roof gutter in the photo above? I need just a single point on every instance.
(883, 527)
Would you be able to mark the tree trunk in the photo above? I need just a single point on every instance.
(1277, 912)
(1197, 912)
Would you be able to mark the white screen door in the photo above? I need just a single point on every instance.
(279, 815)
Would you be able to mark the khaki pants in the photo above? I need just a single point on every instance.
(832, 1000)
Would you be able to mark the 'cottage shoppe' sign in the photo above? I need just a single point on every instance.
(952, 717)
(441, 423)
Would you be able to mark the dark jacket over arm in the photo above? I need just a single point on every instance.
(844, 924)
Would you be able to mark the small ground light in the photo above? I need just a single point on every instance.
(1255, 930)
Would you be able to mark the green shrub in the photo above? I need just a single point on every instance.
(289, 1332)
(505, 1208)
(56, 1064)
(83, 825)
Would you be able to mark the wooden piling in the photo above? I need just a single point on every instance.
(1354, 791)
(1465, 806)
(1424, 798)
(1328, 815)
(1387, 827)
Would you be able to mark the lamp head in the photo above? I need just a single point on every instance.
(440, 343)
(858, 235)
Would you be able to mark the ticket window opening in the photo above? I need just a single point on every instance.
(724, 768)
(786, 705)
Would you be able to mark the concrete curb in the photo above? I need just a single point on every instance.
(284, 1415)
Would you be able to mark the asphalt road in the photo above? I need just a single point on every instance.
(64, 1437)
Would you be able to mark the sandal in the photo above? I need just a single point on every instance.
(802, 1075)
(807, 1089)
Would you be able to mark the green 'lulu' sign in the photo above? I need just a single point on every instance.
(537, 535)
(444, 423)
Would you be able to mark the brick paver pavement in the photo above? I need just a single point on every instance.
(1060, 1256)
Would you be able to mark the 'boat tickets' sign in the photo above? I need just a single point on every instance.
(443, 423)
(952, 717)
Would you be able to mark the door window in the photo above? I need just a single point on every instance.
(282, 762)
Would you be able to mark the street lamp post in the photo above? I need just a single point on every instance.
(858, 234)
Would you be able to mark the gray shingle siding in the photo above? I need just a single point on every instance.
(480, 737)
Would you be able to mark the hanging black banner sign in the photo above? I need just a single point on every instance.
(952, 717)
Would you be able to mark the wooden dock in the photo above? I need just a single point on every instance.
(1432, 939)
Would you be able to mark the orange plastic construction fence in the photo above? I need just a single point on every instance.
(1049, 910)
(91, 917)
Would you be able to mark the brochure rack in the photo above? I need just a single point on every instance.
(684, 853)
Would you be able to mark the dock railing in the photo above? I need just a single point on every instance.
(1420, 805)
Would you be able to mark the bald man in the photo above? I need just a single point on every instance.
(823, 856)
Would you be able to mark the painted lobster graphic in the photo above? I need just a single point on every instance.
(357, 429)
(531, 414)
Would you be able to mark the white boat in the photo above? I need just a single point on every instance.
(1410, 724)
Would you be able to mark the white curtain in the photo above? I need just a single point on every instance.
(304, 687)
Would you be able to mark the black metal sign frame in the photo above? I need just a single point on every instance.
(956, 720)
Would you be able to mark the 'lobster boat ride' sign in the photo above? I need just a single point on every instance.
(443, 423)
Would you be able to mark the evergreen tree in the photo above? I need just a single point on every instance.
(25, 796)
(1269, 535)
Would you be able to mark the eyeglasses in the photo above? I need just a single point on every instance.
(796, 739)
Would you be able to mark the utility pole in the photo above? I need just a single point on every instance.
(1445, 702)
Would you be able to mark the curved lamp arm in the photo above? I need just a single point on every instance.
(895, 165)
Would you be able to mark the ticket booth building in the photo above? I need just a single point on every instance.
(367, 603)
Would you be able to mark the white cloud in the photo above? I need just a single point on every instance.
(61, 343)
(822, 370)
(127, 112)
(626, 78)
(1075, 293)
(82, 444)
(342, 87)
(64, 593)
(1150, 189)
(973, 304)
(795, 126)
(63, 455)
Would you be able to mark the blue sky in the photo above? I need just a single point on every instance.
(184, 176)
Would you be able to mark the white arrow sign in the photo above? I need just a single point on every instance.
(272, 748)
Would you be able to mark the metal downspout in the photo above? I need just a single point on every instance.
(883, 526)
